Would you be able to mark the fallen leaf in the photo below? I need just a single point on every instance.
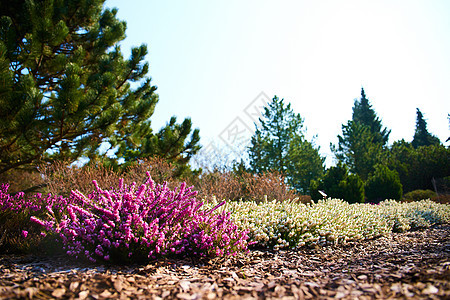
(430, 289)
(83, 295)
(58, 293)
(74, 285)
(118, 284)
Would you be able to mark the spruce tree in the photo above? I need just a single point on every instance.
(279, 144)
(361, 143)
(364, 114)
(65, 86)
(421, 136)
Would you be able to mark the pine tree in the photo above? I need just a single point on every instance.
(421, 136)
(417, 167)
(362, 139)
(270, 143)
(65, 86)
(172, 143)
(364, 114)
(356, 149)
(279, 144)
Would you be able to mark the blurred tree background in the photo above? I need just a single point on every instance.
(279, 144)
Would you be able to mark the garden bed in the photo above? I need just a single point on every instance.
(414, 264)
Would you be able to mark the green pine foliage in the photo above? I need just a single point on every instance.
(364, 114)
(362, 141)
(279, 144)
(356, 149)
(65, 86)
(353, 189)
(175, 143)
(421, 135)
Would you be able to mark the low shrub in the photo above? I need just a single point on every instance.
(442, 198)
(18, 234)
(22, 180)
(382, 184)
(134, 224)
(278, 225)
(338, 183)
(61, 178)
(222, 185)
(414, 215)
(270, 185)
(289, 224)
(417, 195)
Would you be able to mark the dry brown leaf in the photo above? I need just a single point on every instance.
(118, 283)
(83, 295)
(58, 293)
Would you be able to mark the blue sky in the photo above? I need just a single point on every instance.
(216, 62)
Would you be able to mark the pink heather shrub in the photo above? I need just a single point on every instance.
(136, 223)
(33, 204)
(17, 232)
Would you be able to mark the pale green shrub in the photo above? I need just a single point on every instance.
(415, 215)
(289, 224)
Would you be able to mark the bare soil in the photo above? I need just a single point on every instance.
(413, 265)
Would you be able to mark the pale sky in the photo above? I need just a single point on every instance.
(213, 59)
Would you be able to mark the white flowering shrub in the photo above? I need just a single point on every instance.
(289, 224)
(416, 214)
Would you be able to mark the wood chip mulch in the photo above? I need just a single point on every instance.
(413, 265)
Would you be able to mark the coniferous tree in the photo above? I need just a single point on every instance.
(356, 149)
(338, 183)
(172, 143)
(417, 167)
(279, 144)
(421, 136)
(362, 141)
(65, 85)
(304, 164)
(383, 184)
(364, 114)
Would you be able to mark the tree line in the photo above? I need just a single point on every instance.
(66, 91)
(367, 167)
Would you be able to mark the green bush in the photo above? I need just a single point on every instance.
(353, 189)
(383, 184)
(338, 183)
(417, 195)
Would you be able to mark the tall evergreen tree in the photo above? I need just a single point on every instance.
(364, 114)
(362, 139)
(279, 145)
(65, 85)
(421, 136)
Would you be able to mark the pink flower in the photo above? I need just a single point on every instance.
(24, 233)
(36, 220)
